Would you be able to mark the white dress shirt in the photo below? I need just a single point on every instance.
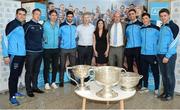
(85, 34)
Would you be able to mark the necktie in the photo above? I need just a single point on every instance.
(115, 34)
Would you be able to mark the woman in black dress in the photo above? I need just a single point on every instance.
(101, 43)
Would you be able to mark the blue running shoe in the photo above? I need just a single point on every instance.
(19, 95)
(14, 101)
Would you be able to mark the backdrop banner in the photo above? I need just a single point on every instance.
(7, 13)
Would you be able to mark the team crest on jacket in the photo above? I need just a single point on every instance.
(32, 27)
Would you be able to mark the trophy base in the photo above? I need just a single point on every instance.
(127, 89)
(103, 94)
(84, 88)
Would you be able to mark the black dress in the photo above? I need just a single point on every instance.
(101, 46)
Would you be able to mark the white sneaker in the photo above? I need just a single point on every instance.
(47, 87)
(54, 85)
(143, 90)
(156, 93)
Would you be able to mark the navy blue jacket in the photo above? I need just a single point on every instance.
(149, 39)
(168, 39)
(132, 33)
(33, 36)
(13, 42)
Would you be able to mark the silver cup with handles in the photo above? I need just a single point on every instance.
(129, 80)
(81, 72)
(107, 76)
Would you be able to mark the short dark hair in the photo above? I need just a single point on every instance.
(36, 9)
(164, 10)
(69, 13)
(132, 10)
(21, 9)
(132, 5)
(50, 3)
(52, 11)
(146, 14)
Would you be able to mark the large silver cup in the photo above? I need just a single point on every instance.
(81, 72)
(108, 76)
(129, 80)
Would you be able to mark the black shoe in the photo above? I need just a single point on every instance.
(30, 94)
(138, 87)
(167, 98)
(163, 95)
(61, 84)
(38, 90)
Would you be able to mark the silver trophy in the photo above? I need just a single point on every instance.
(129, 80)
(81, 72)
(108, 76)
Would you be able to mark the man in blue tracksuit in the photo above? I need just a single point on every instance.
(51, 49)
(133, 45)
(167, 45)
(149, 38)
(13, 49)
(33, 37)
(68, 44)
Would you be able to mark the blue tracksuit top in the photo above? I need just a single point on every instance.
(149, 39)
(168, 39)
(13, 41)
(33, 36)
(132, 33)
(67, 36)
(50, 35)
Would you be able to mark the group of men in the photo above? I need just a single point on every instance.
(142, 42)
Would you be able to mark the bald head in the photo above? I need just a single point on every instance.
(116, 17)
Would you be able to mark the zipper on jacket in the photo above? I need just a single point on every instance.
(53, 28)
(145, 39)
(133, 35)
(17, 48)
(70, 36)
(160, 40)
(54, 37)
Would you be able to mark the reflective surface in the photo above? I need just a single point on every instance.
(129, 80)
(107, 76)
(81, 71)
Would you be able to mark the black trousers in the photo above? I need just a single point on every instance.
(168, 74)
(50, 56)
(146, 61)
(133, 54)
(66, 53)
(16, 66)
(85, 55)
(33, 63)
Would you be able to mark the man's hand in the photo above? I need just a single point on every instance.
(6, 60)
(165, 60)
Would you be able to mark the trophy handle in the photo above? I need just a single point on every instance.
(91, 73)
(140, 76)
(123, 70)
(69, 76)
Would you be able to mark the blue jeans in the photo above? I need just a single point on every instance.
(168, 74)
